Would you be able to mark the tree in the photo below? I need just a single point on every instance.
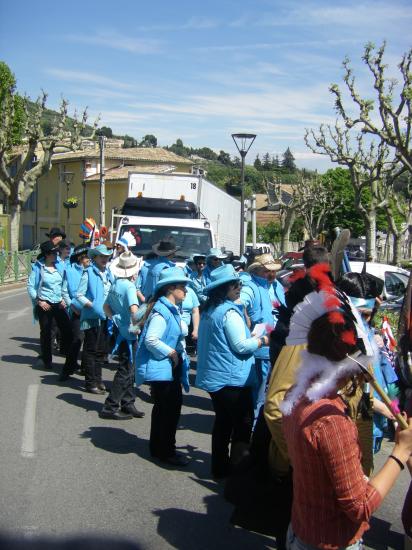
(18, 172)
(288, 162)
(370, 169)
(224, 158)
(315, 199)
(179, 149)
(149, 140)
(258, 163)
(288, 206)
(104, 131)
(393, 123)
(266, 162)
(129, 142)
(206, 153)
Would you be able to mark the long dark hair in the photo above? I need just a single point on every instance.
(217, 296)
(161, 292)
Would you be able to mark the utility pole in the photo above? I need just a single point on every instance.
(253, 209)
(102, 205)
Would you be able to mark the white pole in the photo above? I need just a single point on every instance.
(253, 201)
(102, 140)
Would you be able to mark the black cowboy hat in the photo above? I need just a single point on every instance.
(47, 248)
(78, 251)
(55, 231)
(165, 247)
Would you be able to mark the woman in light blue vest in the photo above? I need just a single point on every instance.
(225, 367)
(45, 289)
(93, 289)
(162, 361)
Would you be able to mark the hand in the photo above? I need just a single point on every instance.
(74, 309)
(62, 305)
(44, 305)
(88, 304)
(403, 441)
(173, 356)
(194, 335)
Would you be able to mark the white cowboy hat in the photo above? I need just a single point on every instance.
(125, 266)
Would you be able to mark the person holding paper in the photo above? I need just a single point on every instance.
(225, 368)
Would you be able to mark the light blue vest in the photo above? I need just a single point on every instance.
(73, 274)
(217, 364)
(152, 276)
(150, 369)
(261, 309)
(95, 294)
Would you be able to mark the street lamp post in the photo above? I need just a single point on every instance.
(243, 143)
(66, 179)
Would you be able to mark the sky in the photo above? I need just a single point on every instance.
(200, 71)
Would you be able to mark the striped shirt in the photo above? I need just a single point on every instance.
(332, 499)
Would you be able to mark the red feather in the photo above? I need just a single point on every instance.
(336, 318)
(348, 337)
(320, 274)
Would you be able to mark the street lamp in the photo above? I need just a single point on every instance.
(66, 179)
(243, 143)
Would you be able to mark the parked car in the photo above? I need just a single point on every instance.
(395, 280)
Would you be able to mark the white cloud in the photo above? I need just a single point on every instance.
(91, 78)
(117, 41)
(199, 22)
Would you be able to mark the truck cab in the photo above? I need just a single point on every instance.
(152, 219)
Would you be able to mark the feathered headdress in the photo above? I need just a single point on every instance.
(317, 376)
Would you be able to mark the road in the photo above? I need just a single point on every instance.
(65, 471)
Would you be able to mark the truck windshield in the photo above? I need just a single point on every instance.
(189, 240)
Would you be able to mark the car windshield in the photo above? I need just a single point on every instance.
(189, 240)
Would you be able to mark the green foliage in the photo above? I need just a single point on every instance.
(258, 163)
(129, 141)
(149, 140)
(393, 318)
(105, 131)
(269, 233)
(13, 103)
(288, 162)
(296, 233)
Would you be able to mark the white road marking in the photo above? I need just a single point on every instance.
(17, 314)
(29, 423)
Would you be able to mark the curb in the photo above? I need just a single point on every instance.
(12, 286)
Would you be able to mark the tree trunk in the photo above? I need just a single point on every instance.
(397, 243)
(15, 211)
(370, 228)
(285, 238)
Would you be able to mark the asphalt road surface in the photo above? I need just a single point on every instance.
(65, 471)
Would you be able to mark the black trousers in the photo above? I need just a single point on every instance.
(233, 408)
(167, 398)
(122, 392)
(46, 318)
(96, 344)
(78, 335)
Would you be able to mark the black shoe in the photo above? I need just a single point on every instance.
(177, 459)
(64, 376)
(95, 390)
(102, 387)
(114, 415)
(131, 409)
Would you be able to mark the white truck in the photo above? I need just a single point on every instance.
(192, 210)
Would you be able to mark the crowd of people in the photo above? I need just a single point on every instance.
(277, 365)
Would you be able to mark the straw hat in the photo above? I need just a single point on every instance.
(267, 261)
(125, 266)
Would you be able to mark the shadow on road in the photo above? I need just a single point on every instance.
(197, 402)
(196, 422)
(116, 440)
(187, 530)
(26, 360)
(31, 344)
(79, 401)
(380, 536)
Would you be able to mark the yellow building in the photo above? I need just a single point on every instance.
(77, 175)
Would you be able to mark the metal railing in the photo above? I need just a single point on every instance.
(16, 266)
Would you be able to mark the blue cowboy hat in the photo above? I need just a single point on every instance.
(220, 276)
(100, 250)
(171, 276)
(216, 253)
